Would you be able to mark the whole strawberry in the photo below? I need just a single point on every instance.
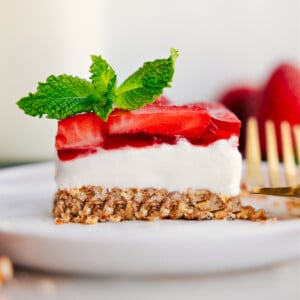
(280, 100)
(244, 101)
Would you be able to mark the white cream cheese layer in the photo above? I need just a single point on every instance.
(216, 167)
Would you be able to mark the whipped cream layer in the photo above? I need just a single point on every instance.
(216, 167)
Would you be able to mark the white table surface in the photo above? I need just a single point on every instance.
(275, 282)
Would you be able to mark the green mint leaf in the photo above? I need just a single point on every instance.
(59, 97)
(147, 83)
(102, 104)
(64, 96)
(104, 80)
(103, 76)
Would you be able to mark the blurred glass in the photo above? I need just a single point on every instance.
(220, 43)
(39, 38)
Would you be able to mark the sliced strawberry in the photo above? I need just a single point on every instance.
(84, 131)
(224, 123)
(225, 119)
(201, 123)
(186, 121)
(163, 100)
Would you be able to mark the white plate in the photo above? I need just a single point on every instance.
(30, 237)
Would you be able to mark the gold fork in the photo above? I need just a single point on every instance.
(255, 181)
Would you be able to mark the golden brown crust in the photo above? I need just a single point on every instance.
(293, 206)
(92, 204)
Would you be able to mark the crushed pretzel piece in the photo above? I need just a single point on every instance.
(90, 205)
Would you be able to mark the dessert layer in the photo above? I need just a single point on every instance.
(216, 167)
(91, 204)
(201, 124)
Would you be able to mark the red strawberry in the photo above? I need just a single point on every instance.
(281, 99)
(244, 101)
(84, 131)
(163, 100)
(188, 121)
(224, 123)
(153, 124)
(237, 100)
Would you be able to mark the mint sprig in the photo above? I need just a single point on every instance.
(64, 95)
(147, 83)
(59, 97)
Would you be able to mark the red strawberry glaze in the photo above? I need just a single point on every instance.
(138, 140)
(201, 124)
(69, 154)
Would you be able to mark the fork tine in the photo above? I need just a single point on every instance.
(296, 130)
(253, 155)
(272, 155)
(288, 154)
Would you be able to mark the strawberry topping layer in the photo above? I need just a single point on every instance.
(187, 121)
(200, 123)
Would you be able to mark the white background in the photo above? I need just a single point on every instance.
(221, 43)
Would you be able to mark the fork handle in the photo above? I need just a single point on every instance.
(287, 191)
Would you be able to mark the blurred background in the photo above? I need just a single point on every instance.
(221, 44)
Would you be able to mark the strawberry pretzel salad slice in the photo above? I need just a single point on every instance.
(123, 153)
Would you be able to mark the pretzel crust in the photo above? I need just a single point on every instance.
(93, 204)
